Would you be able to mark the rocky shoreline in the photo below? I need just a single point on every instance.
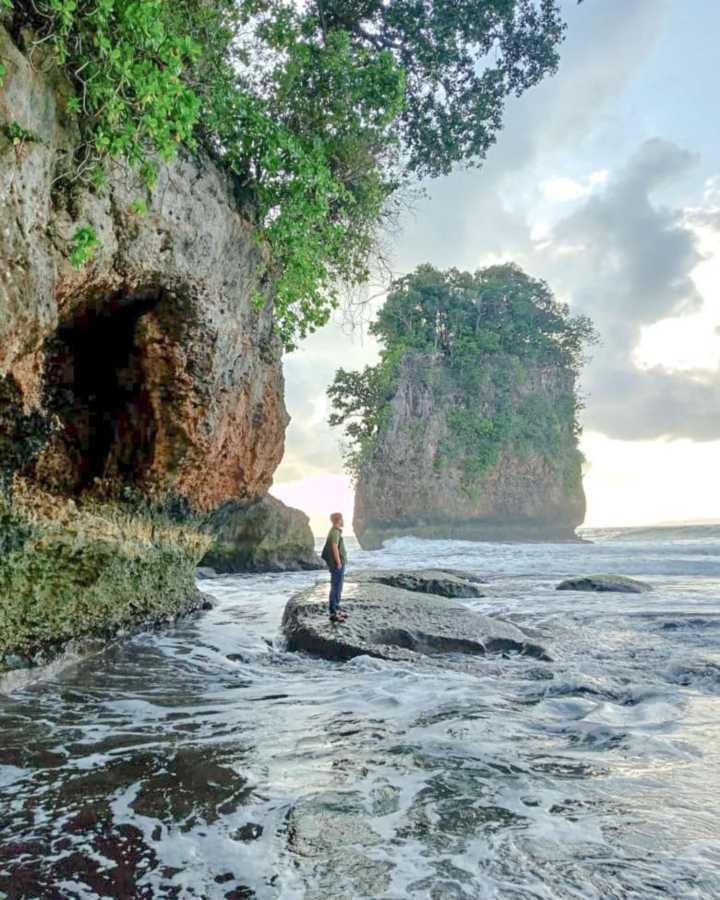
(403, 615)
(19, 669)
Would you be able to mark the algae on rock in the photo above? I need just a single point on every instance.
(71, 571)
(260, 536)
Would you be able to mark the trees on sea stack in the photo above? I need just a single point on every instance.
(479, 339)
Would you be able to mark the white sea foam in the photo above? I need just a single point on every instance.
(221, 763)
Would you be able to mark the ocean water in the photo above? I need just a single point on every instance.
(207, 762)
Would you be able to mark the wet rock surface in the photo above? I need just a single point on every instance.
(261, 536)
(605, 583)
(443, 582)
(182, 790)
(20, 670)
(393, 623)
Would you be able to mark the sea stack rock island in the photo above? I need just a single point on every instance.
(469, 429)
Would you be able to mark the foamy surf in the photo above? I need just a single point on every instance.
(207, 762)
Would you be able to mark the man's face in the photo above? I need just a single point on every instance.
(338, 521)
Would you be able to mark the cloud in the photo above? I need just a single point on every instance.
(707, 215)
(653, 403)
(635, 257)
(476, 215)
(311, 446)
(631, 265)
(562, 190)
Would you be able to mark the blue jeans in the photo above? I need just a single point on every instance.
(337, 576)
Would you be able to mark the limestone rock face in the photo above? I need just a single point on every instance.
(392, 623)
(261, 536)
(76, 573)
(153, 362)
(410, 486)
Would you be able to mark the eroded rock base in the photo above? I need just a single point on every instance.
(71, 572)
(260, 536)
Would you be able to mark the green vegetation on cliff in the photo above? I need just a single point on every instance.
(324, 110)
(481, 335)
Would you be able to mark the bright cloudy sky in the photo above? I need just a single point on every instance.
(606, 182)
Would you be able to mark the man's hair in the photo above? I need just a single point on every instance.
(335, 516)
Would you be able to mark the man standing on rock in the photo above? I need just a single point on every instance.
(335, 557)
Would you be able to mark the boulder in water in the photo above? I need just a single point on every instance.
(443, 582)
(393, 623)
(619, 584)
(260, 536)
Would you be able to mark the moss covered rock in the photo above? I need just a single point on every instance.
(442, 582)
(261, 536)
(70, 572)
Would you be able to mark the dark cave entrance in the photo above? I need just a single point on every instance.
(96, 384)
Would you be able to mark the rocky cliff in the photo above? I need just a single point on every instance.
(154, 363)
(422, 476)
(151, 373)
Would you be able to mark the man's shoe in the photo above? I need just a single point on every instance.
(341, 614)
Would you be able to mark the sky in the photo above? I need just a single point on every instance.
(605, 181)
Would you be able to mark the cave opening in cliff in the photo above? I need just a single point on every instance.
(96, 383)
